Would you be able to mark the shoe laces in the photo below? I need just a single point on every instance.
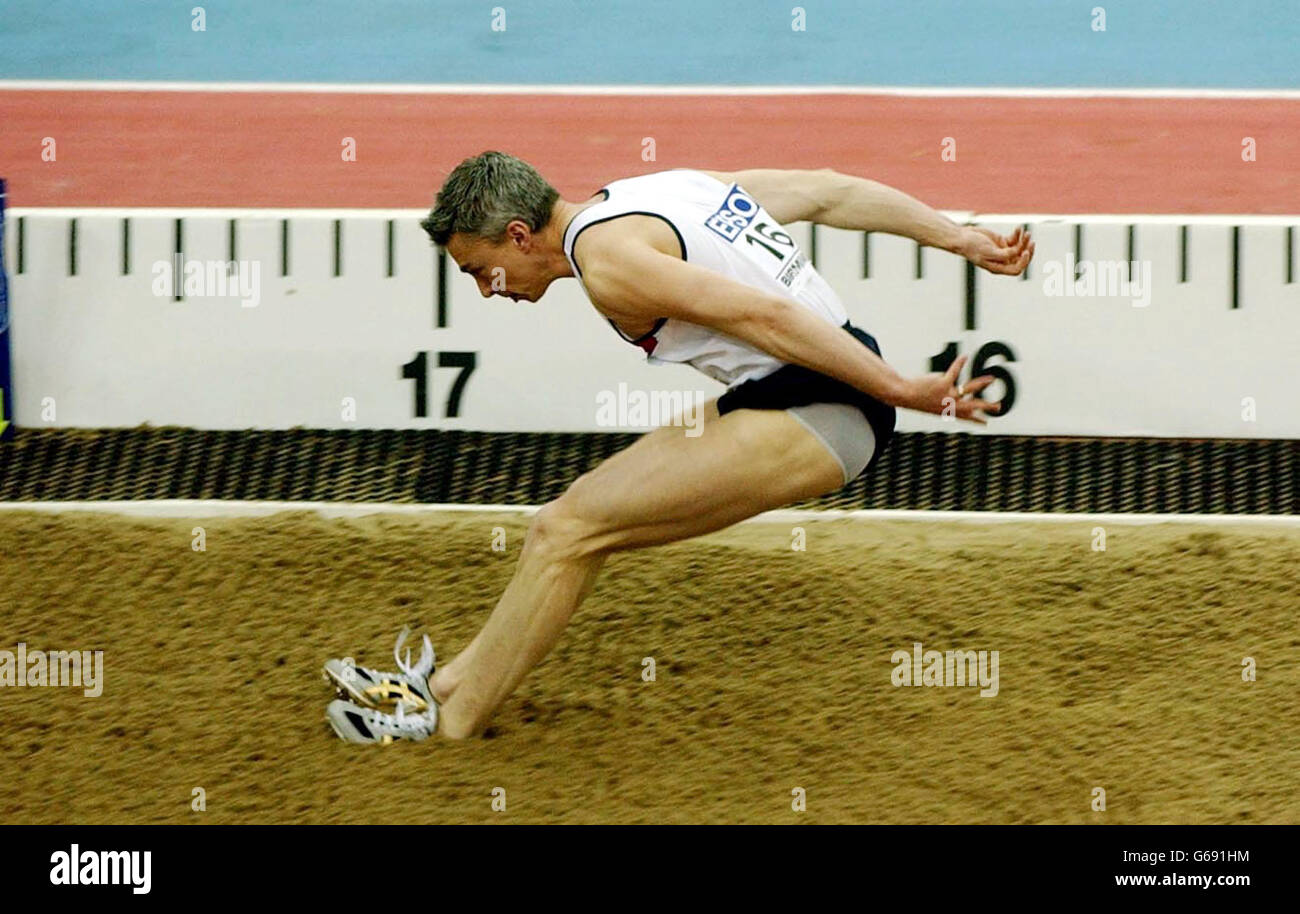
(400, 720)
(422, 667)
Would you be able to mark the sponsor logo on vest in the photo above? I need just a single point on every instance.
(735, 214)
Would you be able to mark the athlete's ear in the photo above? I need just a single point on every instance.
(518, 232)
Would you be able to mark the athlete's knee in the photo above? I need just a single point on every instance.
(561, 529)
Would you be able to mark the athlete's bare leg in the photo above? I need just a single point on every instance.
(663, 488)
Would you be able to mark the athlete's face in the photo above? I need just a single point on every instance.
(512, 267)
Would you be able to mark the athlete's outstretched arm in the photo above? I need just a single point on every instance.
(828, 197)
(628, 279)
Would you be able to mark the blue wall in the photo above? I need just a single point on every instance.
(1195, 43)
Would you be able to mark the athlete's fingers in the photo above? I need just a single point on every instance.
(1016, 262)
(975, 385)
(992, 236)
(974, 406)
(1004, 246)
(1011, 253)
(1003, 254)
(978, 409)
(955, 369)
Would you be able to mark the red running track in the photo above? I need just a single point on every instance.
(265, 149)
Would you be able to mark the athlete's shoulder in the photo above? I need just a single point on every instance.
(608, 239)
(669, 178)
(643, 210)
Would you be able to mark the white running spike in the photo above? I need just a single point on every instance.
(425, 664)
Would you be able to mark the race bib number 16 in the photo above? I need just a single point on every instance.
(743, 222)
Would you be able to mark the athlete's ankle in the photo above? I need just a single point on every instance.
(442, 684)
(452, 726)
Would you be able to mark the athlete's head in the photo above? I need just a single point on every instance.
(488, 215)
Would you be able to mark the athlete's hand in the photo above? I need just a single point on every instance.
(939, 393)
(994, 252)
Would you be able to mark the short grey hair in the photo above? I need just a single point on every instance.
(486, 193)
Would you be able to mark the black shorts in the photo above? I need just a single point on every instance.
(795, 385)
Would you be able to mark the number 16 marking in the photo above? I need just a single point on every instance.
(994, 348)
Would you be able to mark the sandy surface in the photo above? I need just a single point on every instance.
(1118, 669)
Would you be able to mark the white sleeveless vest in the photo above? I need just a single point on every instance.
(723, 229)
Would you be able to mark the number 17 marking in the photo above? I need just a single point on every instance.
(417, 370)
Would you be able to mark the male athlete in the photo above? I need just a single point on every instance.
(695, 267)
